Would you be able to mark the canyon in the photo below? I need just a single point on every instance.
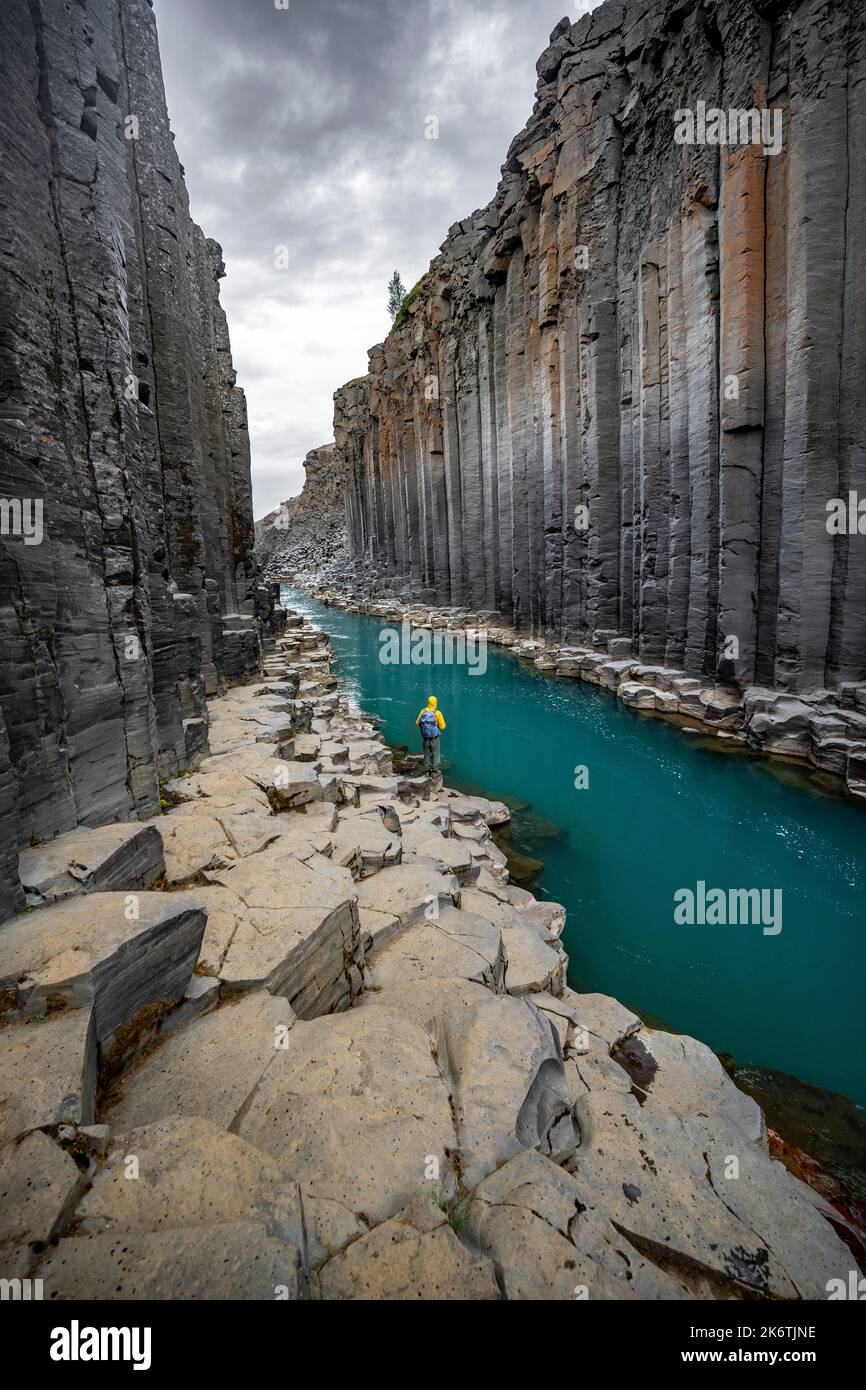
(295, 988)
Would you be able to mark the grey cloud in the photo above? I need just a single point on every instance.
(305, 128)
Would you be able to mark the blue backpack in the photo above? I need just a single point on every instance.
(429, 727)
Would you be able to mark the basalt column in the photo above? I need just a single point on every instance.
(647, 354)
(121, 420)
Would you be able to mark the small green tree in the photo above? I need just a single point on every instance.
(396, 294)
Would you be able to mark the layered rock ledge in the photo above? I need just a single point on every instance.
(320, 1047)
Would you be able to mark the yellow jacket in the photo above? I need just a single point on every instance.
(431, 707)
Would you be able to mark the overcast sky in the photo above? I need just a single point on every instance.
(304, 128)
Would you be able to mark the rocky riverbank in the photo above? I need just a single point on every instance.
(824, 731)
(299, 1037)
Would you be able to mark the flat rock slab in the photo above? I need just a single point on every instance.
(451, 855)
(426, 1002)
(667, 1185)
(191, 1172)
(39, 1185)
(531, 1218)
(209, 1068)
(192, 845)
(47, 1073)
(532, 965)
(454, 944)
(221, 791)
(107, 859)
(376, 846)
(286, 784)
(111, 952)
(352, 1110)
(416, 1256)
(403, 895)
(284, 924)
(236, 1261)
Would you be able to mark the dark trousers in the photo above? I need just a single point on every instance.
(431, 754)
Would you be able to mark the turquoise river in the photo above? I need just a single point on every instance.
(661, 812)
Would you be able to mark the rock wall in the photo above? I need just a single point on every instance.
(121, 418)
(307, 534)
(626, 390)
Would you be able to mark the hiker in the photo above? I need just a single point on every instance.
(431, 723)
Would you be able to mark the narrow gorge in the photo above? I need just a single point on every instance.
(278, 1022)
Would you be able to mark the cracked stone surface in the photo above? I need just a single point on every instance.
(235, 1260)
(413, 1256)
(40, 1185)
(208, 1069)
(352, 1109)
(191, 1172)
(455, 944)
(288, 925)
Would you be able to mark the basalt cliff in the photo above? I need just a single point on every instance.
(306, 535)
(618, 404)
(121, 430)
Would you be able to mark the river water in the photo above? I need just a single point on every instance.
(662, 812)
